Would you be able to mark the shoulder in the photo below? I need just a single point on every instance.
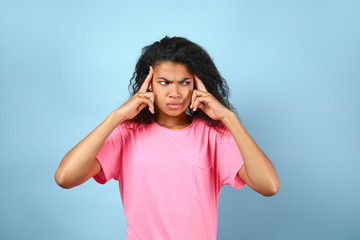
(129, 126)
(217, 134)
(126, 129)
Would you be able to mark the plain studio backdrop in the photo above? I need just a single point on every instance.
(293, 71)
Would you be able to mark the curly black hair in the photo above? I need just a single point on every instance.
(197, 61)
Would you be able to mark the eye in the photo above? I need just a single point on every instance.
(186, 83)
(166, 82)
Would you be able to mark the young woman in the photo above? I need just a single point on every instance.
(171, 146)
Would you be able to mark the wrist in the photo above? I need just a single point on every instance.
(117, 116)
(228, 118)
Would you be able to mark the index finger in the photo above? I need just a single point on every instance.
(199, 84)
(145, 86)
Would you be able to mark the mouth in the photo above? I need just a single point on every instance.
(174, 105)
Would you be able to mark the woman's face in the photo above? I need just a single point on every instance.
(172, 85)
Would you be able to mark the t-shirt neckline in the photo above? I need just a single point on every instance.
(174, 130)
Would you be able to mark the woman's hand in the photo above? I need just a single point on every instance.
(204, 100)
(140, 100)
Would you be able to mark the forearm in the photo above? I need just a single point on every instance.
(259, 168)
(78, 161)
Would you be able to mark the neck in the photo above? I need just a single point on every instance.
(174, 122)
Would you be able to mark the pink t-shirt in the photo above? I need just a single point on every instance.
(170, 180)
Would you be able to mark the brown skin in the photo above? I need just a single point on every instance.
(178, 88)
(80, 164)
(258, 171)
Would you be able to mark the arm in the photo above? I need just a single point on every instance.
(80, 164)
(258, 171)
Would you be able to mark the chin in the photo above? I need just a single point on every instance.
(174, 113)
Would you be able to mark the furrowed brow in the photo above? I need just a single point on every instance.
(172, 81)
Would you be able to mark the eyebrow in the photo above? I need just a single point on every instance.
(171, 81)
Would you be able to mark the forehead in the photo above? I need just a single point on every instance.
(171, 70)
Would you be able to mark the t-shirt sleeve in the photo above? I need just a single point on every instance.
(109, 157)
(229, 163)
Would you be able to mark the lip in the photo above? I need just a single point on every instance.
(174, 105)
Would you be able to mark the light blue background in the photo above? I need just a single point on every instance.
(293, 69)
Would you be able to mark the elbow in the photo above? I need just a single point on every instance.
(271, 191)
(61, 180)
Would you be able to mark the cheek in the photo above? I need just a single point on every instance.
(159, 97)
(189, 93)
(188, 96)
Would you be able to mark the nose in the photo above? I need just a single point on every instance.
(174, 92)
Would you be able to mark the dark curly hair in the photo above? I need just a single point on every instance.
(197, 61)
